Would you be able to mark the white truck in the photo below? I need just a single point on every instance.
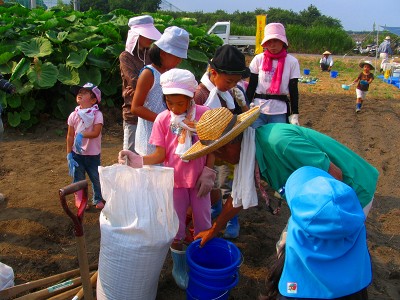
(246, 44)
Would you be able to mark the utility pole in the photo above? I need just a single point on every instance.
(33, 4)
(77, 5)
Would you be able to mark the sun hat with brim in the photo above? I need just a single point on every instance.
(144, 26)
(178, 81)
(366, 62)
(274, 31)
(326, 53)
(387, 38)
(88, 86)
(230, 60)
(326, 253)
(217, 127)
(174, 41)
(140, 26)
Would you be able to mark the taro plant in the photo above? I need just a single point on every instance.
(44, 52)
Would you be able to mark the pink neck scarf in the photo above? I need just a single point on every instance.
(274, 88)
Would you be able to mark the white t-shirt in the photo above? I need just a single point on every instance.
(291, 70)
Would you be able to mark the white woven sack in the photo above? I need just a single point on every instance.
(137, 224)
(6, 276)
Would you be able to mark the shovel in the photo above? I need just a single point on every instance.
(78, 231)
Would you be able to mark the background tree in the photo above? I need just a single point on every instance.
(101, 5)
(135, 6)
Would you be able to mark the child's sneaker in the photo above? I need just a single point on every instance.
(100, 205)
(358, 110)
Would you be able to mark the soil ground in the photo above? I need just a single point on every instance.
(36, 236)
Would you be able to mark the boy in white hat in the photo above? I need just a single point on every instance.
(274, 78)
(84, 140)
(141, 35)
(363, 81)
(172, 135)
(326, 61)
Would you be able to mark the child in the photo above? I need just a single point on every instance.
(172, 134)
(274, 76)
(326, 61)
(326, 253)
(141, 35)
(364, 79)
(219, 88)
(84, 140)
(147, 101)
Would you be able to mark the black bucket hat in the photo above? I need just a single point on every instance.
(228, 59)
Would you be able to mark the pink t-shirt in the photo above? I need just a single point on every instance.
(186, 173)
(91, 146)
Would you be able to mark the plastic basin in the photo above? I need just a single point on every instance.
(345, 87)
(306, 71)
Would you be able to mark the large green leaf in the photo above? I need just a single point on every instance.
(91, 74)
(28, 103)
(76, 59)
(43, 75)
(100, 62)
(13, 118)
(20, 69)
(14, 101)
(56, 37)
(68, 75)
(25, 115)
(37, 47)
(197, 55)
(5, 57)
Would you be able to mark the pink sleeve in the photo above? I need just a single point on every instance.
(159, 131)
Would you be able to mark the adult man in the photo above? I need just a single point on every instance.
(326, 62)
(385, 51)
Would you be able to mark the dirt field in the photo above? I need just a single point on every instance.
(36, 237)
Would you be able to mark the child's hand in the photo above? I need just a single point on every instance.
(131, 159)
(72, 164)
(206, 181)
(78, 143)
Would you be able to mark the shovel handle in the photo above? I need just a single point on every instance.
(78, 218)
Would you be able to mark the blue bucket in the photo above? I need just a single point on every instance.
(334, 74)
(213, 269)
(306, 71)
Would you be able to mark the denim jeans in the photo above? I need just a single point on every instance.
(266, 119)
(89, 164)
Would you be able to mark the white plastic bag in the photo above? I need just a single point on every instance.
(6, 276)
(137, 224)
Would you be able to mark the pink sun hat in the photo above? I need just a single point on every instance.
(274, 31)
(141, 25)
(178, 81)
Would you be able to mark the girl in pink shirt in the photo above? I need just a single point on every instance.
(84, 140)
(173, 133)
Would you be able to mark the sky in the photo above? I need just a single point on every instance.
(356, 15)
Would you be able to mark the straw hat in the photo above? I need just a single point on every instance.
(387, 38)
(218, 127)
(326, 53)
(366, 62)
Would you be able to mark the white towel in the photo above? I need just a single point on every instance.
(213, 99)
(243, 187)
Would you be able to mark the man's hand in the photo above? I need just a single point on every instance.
(131, 159)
